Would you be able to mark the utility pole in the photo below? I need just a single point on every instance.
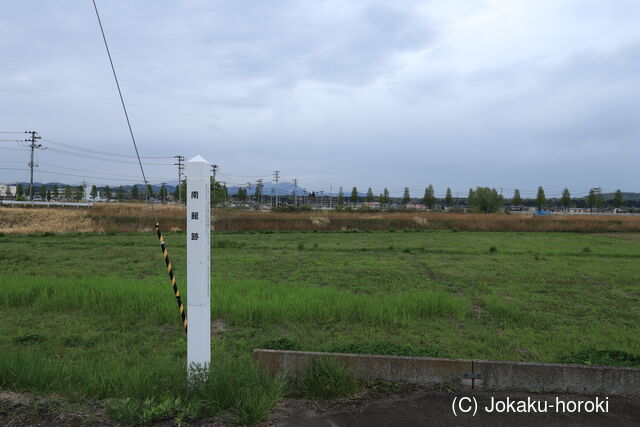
(33, 146)
(259, 187)
(224, 185)
(276, 176)
(330, 191)
(214, 169)
(295, 191)
(180, 164)
(596, 192)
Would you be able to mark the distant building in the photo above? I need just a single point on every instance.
(415, 206)
(3, 190)
(371, 204)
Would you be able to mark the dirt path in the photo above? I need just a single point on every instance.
(399, 406)
(434, 408)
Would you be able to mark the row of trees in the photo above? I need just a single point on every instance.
(76, 193)
(594, 199)
(486, 199)
(429, 198)
(219, 192)
(48, 192)
(483, 199)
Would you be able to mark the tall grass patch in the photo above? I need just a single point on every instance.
(250, 301)
(327, 378)
(265, 302)
(505, 310)
(107, 294)
(147, 390)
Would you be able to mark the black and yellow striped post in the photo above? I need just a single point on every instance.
(172, 277)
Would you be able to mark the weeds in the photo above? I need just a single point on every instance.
(138, 393)
(134, 411)
(387, 348)
(327, 378)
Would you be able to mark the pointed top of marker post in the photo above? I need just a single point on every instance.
(198, 168)
(198, 159)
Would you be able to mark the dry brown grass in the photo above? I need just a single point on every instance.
(139, 217)
(24, 221)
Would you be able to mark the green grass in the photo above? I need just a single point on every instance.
(93, 315)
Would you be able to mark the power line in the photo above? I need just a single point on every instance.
(14, 149)
(106, 178)
(94, 157)
(104, 153)
(124, 108)
(84, 170)
(244, 176)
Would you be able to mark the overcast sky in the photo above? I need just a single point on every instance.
(507, 94)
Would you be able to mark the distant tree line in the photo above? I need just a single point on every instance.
(480, 199)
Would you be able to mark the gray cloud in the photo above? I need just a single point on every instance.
(336, 93)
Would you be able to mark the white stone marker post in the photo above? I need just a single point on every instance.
(198, 264)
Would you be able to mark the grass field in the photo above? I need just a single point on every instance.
(93, 314)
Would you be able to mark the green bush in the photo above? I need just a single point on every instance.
(281, 344)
